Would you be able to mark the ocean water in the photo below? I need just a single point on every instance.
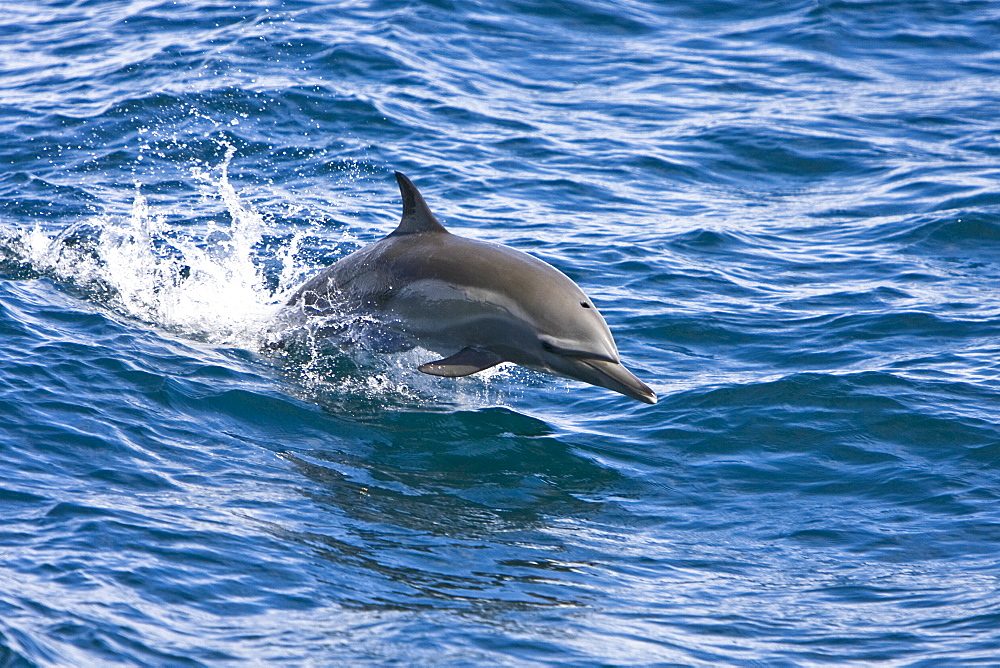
(788, 211)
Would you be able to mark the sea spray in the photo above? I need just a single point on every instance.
(209, 285)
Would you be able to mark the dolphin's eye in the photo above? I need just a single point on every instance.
(584, 304)
(548, 347)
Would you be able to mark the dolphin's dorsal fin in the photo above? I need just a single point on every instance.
(417, 216)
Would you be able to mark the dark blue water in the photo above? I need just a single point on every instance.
(788, 212)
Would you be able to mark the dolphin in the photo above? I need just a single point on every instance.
(477, 303)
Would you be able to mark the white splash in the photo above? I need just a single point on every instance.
(209, 285)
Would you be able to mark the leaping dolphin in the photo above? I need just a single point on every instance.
(478, 303)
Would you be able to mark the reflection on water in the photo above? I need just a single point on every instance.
(470, 508)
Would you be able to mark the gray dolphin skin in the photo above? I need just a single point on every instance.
(477, 303)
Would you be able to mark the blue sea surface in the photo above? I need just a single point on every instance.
(788, 212)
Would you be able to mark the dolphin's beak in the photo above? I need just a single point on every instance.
(613, 376)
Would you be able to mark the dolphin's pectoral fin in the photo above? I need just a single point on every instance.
(463, 363)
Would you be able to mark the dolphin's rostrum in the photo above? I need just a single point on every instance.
(478, 303)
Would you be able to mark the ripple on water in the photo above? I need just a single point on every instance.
(785, 210)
